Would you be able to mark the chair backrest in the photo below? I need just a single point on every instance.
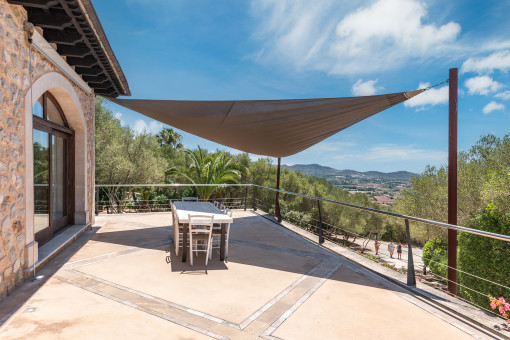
(228, 211)
(174, 214)
(216, 204)
(192, 199)
(199, 224)
(223, 207)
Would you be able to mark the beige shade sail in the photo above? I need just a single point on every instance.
(276, 128)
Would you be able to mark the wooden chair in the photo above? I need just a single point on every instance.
(216, 204)
(190, 199)
(216, 235)
(223, 207)
(200, 231)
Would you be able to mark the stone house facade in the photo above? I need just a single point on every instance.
(54, 59)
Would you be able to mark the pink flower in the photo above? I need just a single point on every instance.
(493, 305)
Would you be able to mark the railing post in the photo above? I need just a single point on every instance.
(178, 193)
(97, 200)
(245, 197)
(254, 201)
(411, 278)
(321, 232)
(278, 213)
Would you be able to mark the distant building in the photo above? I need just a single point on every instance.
(47, 123)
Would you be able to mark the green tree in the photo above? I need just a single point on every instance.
(168, 136)
(483, 178)
(123, 157)
(484, 260)
(207, 168)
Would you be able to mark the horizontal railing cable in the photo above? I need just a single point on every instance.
(389, 213)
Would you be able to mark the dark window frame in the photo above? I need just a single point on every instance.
(54, 129)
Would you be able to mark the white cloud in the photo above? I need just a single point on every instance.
(493, 106)
(118, 115)
(380, 36)
(393, 153)
(433, 96)
(482, 85)
(499, 60)
(367, 88)
(153, 126)
(503, 95)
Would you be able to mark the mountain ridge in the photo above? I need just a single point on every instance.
(326, 171)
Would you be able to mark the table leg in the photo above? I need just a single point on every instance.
(184, 242)
(222, 242)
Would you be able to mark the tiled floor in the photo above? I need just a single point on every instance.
(123, 280)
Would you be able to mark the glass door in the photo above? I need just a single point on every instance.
(41, 186)
(58, 182)
(53, 181)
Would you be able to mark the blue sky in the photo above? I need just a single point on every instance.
(280, 49)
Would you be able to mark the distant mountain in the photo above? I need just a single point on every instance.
(327, 172)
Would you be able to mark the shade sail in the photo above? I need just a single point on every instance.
(276, 128)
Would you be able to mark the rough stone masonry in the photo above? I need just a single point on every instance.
(14, 86)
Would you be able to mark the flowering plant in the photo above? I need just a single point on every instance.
(502, 306)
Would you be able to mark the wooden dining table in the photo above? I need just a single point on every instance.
(185, 208)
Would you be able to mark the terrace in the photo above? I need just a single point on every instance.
(123, 278)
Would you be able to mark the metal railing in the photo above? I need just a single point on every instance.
(320, 228)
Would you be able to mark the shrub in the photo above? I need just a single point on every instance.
(394, 233)
(485, 257)
(435, 255)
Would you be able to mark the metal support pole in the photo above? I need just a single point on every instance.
(97, 201)
(411, 278)
(452, 182)
(254, 201)
(277, 198)
(321, 232)
(178, 193)
(245, 197)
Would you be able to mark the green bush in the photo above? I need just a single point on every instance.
(394, 233)
(435, 255)
(485, 257)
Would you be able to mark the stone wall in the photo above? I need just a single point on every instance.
(14, 85)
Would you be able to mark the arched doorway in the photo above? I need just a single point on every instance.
(69, 101)
(53, 168)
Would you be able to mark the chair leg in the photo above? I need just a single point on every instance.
(191, 254)
(207, 254)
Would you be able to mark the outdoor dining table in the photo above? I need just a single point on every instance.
(184, 209)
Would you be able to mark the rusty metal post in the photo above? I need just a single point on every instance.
(277, 198)
(452, 182)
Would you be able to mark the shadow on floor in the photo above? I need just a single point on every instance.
(268, 246)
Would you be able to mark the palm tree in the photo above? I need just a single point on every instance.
(206, 168)
(168, 136)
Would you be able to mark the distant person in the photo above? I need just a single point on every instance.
(377, 244)
(391, 248)
(399, 251)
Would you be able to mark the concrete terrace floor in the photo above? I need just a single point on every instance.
(119, 280)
